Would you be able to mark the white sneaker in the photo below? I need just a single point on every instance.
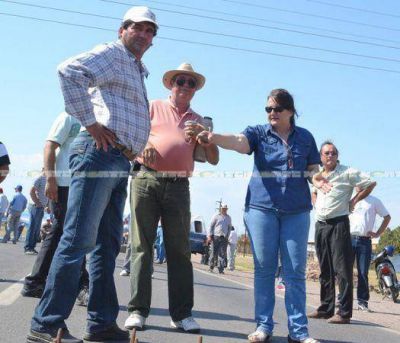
(188, 325)
(135, 321)
(124, 273)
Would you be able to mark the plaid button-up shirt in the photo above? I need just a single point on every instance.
(106, 85)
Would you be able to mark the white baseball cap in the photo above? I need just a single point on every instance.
(140, 14)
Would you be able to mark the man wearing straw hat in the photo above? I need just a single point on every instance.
(160, 190)
(104, 89)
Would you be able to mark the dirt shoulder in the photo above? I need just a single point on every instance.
(384, 312)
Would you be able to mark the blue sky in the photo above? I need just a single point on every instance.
(352, 106)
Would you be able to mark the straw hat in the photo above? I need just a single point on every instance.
(184, 68)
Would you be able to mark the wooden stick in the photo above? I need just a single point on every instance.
(59, 336)
(133, 337)
(200, 339)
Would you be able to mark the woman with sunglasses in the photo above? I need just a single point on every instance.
(277, 210)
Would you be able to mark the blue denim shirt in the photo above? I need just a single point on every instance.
(18, 203)
(278, 181)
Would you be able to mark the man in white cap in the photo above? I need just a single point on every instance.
(160, 190)
(104, 89)
(220, 229)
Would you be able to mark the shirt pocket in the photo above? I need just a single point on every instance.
(300, 151)
(271, 153)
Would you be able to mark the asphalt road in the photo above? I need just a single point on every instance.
(223, 308)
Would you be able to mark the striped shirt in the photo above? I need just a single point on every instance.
(106, 85)
(40, 185)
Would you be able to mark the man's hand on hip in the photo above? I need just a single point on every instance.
(102, 136)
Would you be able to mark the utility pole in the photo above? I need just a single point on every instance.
(219, 205)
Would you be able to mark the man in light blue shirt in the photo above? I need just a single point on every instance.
(17, 206)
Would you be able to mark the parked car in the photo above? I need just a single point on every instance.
(198, 235)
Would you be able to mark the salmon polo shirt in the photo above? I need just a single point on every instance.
(174, 153)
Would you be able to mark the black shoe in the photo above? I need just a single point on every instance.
(113, 333)
(51, 336)
(221, 271)
(32, 292)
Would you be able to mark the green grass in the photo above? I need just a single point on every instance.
(245, 263)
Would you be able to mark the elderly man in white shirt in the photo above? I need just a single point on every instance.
(333, 202)
(362, 222)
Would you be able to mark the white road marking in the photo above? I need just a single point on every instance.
(11, 293)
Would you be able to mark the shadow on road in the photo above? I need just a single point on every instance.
(222, 287)
(11, 281)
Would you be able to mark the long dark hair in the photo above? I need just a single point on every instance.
(284, 99)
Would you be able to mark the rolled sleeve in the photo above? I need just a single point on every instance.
(252, 135)
(359, 179)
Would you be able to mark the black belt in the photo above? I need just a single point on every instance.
(333, 220)
(363, 238)
(171, 177)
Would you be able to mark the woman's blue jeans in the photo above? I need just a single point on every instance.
(271, 232)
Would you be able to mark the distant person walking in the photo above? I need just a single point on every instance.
(362, 222)
(15, 209)
(333, 202)
(232, 244)
(36, 210)
(220, 228)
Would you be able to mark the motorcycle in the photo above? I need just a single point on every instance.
(386, 274)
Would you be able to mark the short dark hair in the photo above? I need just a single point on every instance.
(125, 24)
(328, 142)
(284, 99)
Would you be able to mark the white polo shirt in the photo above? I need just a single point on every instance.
(362, 219)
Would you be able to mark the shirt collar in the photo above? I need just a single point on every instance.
(142, 68)
(188, 111)
(269, 129)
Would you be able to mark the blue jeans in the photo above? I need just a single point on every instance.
(36, 216)
(160, 248)
(271, 232)
(93, 224)
(362, 249)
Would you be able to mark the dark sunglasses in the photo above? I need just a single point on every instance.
(190, 83)
(279, 109)
(332, 153)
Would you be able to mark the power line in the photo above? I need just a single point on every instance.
(214, 45)
(273, 21)
(355, 8)
(312, 15)
(263, 26)
(216, 33)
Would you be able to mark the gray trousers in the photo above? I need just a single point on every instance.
(231, 255)
(12, 225)
(218, 252)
